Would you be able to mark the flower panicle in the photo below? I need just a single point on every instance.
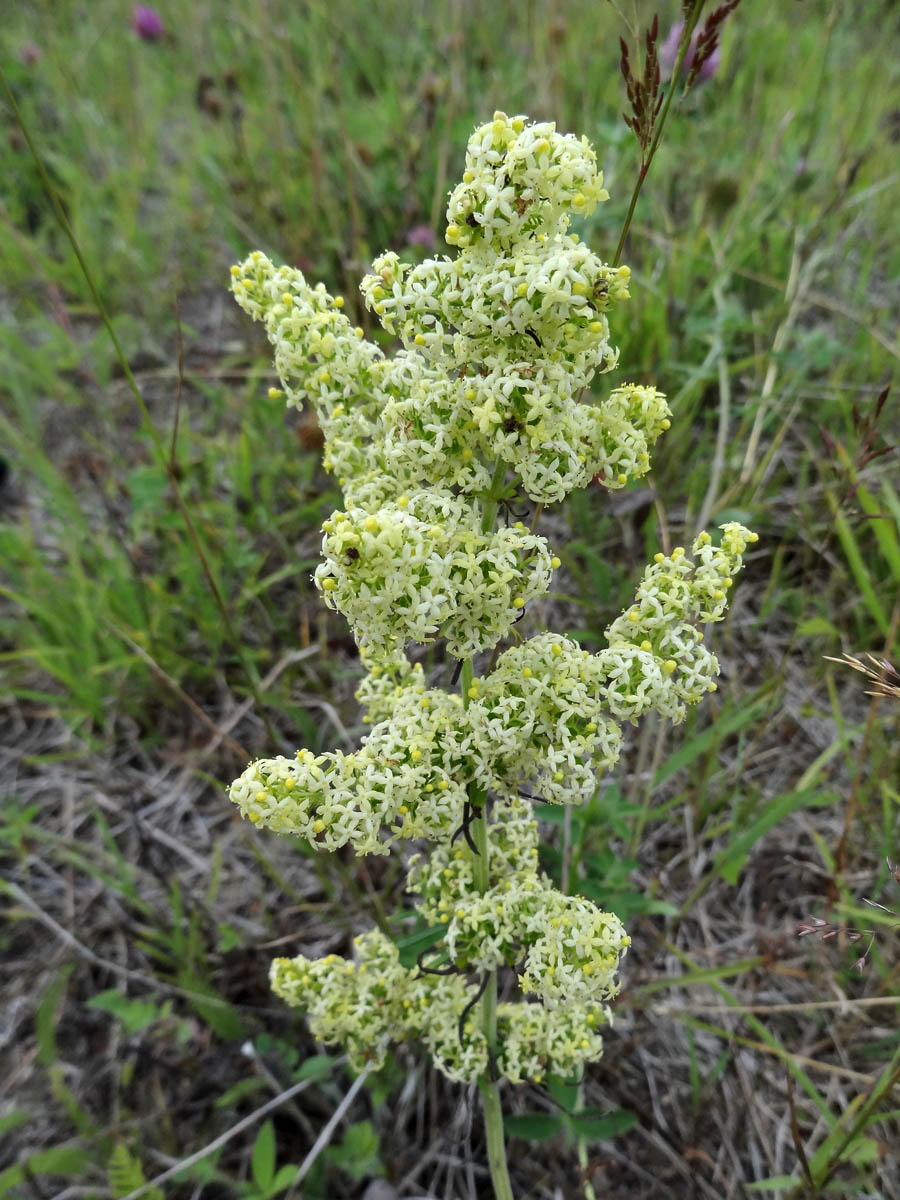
(485, 399)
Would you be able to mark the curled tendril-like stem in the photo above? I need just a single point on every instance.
(449, 969)
(475, 999)
(465, 829)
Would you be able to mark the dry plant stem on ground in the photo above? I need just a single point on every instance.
(481, 407)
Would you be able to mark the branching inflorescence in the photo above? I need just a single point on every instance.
(483, 405)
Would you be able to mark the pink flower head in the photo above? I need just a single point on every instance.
(668, 53)
(421, 235)
(30, 53)
(147, 23)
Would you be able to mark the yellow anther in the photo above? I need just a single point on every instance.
(370, 524)
(443, 785)
(555, 563)
(468, 176)
(645, 646)
(287, 299)
(339, 302)
(526, 672)
(659, 557)
(596, 326)
(419, 339)
(578, 200)
(579, 288)
(591, 726)
(329, 584)
(556, 650)
(470, 394)
(670, 665)
(319, 826)
(467, 455)
(236, 272)
(415, 755)
(677, 553)
(519, 602)
(623, 479)
(403, 502)
(289, 783)
(522, 289)
(275, 393)
(665, 423)
(633, 617)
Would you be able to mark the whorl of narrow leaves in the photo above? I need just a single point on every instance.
(708, 40)
(643, 93)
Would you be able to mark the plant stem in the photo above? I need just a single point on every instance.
(647, 159)
(493, 1121)
(489, 1087)
(492, 500)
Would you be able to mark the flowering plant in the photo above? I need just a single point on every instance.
(484, 405)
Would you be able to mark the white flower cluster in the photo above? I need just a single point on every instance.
(548, 717)
(517, 325)
(571, 949)
(421, 567)
(499, 345)
(656, 658)
(367, 1004)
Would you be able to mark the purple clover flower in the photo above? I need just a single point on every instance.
(147, 23)
(421, 235)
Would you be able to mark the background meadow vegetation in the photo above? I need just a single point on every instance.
(158, 626)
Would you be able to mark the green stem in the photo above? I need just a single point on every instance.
(490, 1088)
(496, 1144)
(492, 500)
(647, 159)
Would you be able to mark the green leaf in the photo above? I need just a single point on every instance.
(47, 1015)
(317, 1066)
(411, 946)
(285, 1177)
(733, 857)
(135, 1015)
(594, 1125)
(14, 1119)
(534, 1127)
(816, 626)
(244, 1087)
(859, 570)
(358, 1153)
(262, 1164)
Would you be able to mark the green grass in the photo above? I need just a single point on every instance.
(765, 258)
